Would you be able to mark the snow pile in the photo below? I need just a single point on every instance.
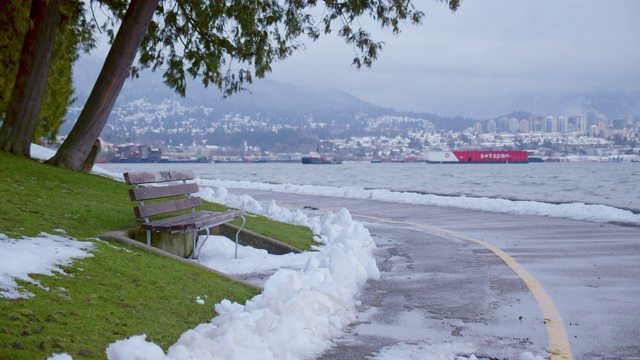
(301, 308)
(60, 357)
(218, 253)
(38, 255)
(310, 297)
(575, 211)
(41, 152)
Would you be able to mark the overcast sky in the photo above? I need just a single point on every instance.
(483, 59)
(486, 53)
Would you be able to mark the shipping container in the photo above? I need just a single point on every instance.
(476, 157)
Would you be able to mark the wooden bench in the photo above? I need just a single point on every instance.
(152, 185)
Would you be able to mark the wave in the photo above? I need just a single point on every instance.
(565, 210)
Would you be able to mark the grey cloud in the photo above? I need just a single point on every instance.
(487, 49)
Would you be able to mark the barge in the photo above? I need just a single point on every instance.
(477, 157)
(317, 159)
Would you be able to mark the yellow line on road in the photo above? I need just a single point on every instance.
(559, 347)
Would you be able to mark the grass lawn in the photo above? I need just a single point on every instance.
(118, 292)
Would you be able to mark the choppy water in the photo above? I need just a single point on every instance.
(613, 184)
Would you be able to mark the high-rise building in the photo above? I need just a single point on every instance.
(619, 123)
(562, 124)
(512, 125)
(477, 127)
(592, 117)
(491, 126)
(502, 125)
(549, 125)
(524, 126)
(535, 124)
(581, 124)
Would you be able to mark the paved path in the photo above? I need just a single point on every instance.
(441, 284)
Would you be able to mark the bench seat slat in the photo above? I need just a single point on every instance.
(164, 207)
(141, 177)
(156, 192)
(192, 221)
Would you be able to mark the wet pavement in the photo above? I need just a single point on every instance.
(437, 287)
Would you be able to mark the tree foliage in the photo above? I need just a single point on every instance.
(22, 111)
(74, 35)
(229, 43)
(14, 23)
(224, 43)
(81, 147)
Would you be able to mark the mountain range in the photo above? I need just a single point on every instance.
(293, 104)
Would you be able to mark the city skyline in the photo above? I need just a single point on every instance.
(487, 59)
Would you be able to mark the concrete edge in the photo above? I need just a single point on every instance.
(250, 238)
(120, 236)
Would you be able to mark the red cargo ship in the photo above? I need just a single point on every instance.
(477, 157)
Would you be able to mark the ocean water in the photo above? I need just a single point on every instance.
(612, 184)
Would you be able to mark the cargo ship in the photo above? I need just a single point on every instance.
(318, 158)
(315, 158)
(477, 157)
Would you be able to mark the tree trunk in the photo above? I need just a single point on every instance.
(23, 109)
(75, 152)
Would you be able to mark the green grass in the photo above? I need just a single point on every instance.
(117, 293)
(120, 291)
(43, 198)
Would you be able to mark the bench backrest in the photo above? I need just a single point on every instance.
(144, 211)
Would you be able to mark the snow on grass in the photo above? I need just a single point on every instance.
(35, 255)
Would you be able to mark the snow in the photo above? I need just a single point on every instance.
(37, 255)
(575, 211)
(307, 301)
(308, 298)
(60, 357)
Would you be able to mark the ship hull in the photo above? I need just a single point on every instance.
(314, 160)
(477, 157)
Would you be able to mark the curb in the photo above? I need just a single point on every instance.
(250, 238)
(120, 236)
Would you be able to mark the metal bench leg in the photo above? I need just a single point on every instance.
(194, 239)
(197, 257)
(148, 237)
(238, 233)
